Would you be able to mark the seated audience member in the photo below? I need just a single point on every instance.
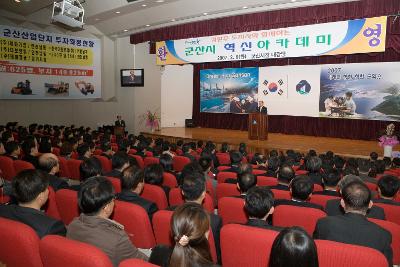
(13, 150)
(2, 149)
(388, 187)
(94, 226)
(301, 189)
(293, 247)
(205, 163)
(167, 164)
(259, 204)
(66, 150)
(243, 149)
(166, 149)
(49, 163)
(272, 167)
(141, 149)
(187, 150)
(330, 180)
(7, 136)
(210, 150)
(45, 146)
(334, 208)
(373, 157)
(190, 226)
(236, 158)
(153, 174)
(132, 184)
(188, 170)
(285, 176)
(89, 167)
(260, 161)
(338, 163)
(353, 227)
(245, 182)
(124, 146)
(30, 150)
(364, 167)
(119, 161)
(313, 166)
(107, 151)
(30, 188)
(224, 148)
(84, 152)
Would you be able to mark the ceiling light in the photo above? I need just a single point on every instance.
(159, 1)
(245, 7)
(172, 20)
(17, 1)
(293, 0)
(117, 12)
(125, 30)
(205, 13)
(144, 5)
(147, 25)
(96, 19)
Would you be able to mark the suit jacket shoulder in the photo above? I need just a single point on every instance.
(334, 208)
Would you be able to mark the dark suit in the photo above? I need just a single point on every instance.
(327, 193)
(129, 196)
(270, 173)
(262, 110)
(40, 222)
(263, 224)
(316, 178)
(189, 156)
(386, 201)
(57, 183)
(120, 123)
(280, 187)
(303, 204)
(114, 173)
(352, 228)
(334, 208)
(33, 160)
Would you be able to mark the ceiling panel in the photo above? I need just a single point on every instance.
(24, 8)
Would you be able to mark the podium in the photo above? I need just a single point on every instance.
(118, 130)
(258, 126)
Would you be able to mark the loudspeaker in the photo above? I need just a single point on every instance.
(189, 123)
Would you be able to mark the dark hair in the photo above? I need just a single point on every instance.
(363, 165)
(11, 146)
(246, 181)
(94, 194)
(28, 184)
(286, 174)
(82, 149)
(258, 202)
(45, 145)
(90, 167)
(131, 177)
(356, 195)
(205, 163)
(242, 148)
(105, 146)
(193, 186)
(235, 156)
(396, 163)
(186, 148)
(6, 135)
(339, 162)
(27, 146)
(191, 220)
(373, 156)
(224, 147)
(190, 169)
(389, 185)
(273, 164)
(380, 166)
(47, 162)
(293, 247)
(331, 178)
(119, 159)
(66, 149)
(166, 162)
(302, 186)
(153, 174)
(313, 164)
(179, 143)
(258, 159)
(350, 170)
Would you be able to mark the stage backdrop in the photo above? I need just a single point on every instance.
(355, 91)
(41, 65)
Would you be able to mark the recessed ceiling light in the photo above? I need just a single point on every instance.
(245, 7)
(205, 13)
(159, 1)
(144, 5)
(172, 20)
(96, 19)
(117, 12)
(147, 25)
(125, 30)
(293, 0)
(18, 1)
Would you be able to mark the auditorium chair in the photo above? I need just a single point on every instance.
(317, 188)
(221, 168)
(287, 216)
(132, 151)
(105, 163)
(150, 160)
(21, 165)
(210, 191)
(55, 151)
(155, 194)
(281, 194)
(258, 172)
(135, 263)
(149, 154)
(136, 223)
(227, 190)
(178, 162)
(266, 181)
(51, 207)
(162, 231)
(335, 254)
(19, 245)
(176, 199)
(139, 160)
(64, 170)
(116, 183)
(7, 168)
(223, 158)
(59, 251)
(97, 152)
(373, 187)
(222, 176)
(74, 168)
(394, 229)
(114, 147)
(392, 212)
(246, 246)
(231, 210)
(67, 203)
(74, 155)
(301, 172)
(321, 199)
(169, 180)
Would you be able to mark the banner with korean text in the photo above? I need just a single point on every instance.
(41, 65)
(343, 37)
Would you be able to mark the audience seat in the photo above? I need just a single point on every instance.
(169, 180)
(176, 199)
(246, 246)
(135, 263)
(178, 162)
(392, 212)
(139, 160)
(221, 168)
(97, 152)
(287, 216)
(7, 168)
(21, 165)
(317, 188)
(19, 245)
(74, 155)
(321, 199)
(222, 176)
(258, 172)
(301, 172)
(149, 154)
(335, 254)
(51, 207)
(105, 163)
(281, 194)
(59, 251)
(227, 190)
(223, 158)
(266, 181)
(210, 191)
(155, 194)
(394, 229)
(116, 182)
(67, 203)
(132, 151)
(373, 187)
(74, 171)
(150, 160)
(136, 222)
(55, 151)
(64, 169)
(231, 210)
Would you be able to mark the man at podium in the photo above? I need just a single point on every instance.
(261, 108)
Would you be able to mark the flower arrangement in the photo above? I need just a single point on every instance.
(388, 139)
(151, 120)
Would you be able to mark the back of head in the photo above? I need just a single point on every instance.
(66, 149)
(373, 156)
(45, 147)
(193, 186)
(28, 184)
(258, 202)
(314, 164)
(94, 194)
(349, 169)
(363, 165)
(286, 174)
(301, 187)
(82, 149)
(331, 178)
(205, 163)
(153, 174)
(90, 167)
(235, 156)
(396, 163)
(293, 247)
(356, 197)
(186, 148)
(246, 181)
(27, 146)
(131, 177)
(273, 163)
(47, 162)
(166, 162)
(224, 148)
(105, 146)
(388, 186)
(347, 180)
(189, 226)
(11, 147)
(119, 159)
(190, 169)
(258, 159)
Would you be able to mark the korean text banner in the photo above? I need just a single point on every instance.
(343, 37)
(41, 65)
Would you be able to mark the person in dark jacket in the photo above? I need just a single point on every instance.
(30, 150)
(48, 162)
(119, 161)
(388, 187)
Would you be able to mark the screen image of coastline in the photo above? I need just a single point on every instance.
(229, 90)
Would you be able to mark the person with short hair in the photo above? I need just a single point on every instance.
(272, 166)
(30, 150)
(364, 166)
(89, 167)
(107, 151)
(49, 163)
(2, 149)
(313, 166)
(388, 187)
(285, 176)
(187, 150)
(330, 181)
(84, 151)
(259, 205)
(293, 247)
(30, 189)
(13, 150)
(153, 174)
(236, 158)
(132, 185)
(119, 161)
(373, 156)
(94, 226)
(353, 227)
(245, 182)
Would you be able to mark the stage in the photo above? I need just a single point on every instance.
(280, 142)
